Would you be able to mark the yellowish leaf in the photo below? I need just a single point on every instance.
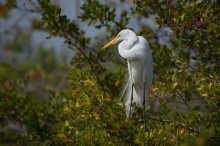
(154, 89)
(86, 117)
(96, 115)
(67, 109)
(202, 79)
(151, 134)
(210, 85)
(205, 95)
(182, 131)
(181, 70)
(175, 84)
(108, 97)
(77, 103)
(182, 16)
(74, 91)
(117, 83)
(66, 123)
(177, 61)
(62, 136)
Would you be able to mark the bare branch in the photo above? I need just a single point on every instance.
(170, 121)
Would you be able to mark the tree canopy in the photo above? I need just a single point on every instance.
(184, 106)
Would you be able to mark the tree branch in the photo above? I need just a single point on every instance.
(170, 121)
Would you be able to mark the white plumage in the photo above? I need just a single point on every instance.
(140, 66)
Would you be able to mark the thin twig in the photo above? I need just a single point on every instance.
(170, 121)
(27, 10)
(83, 53)
(177, 91)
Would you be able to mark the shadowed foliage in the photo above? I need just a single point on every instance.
(184, 103)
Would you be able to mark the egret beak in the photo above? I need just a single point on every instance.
(111, 42)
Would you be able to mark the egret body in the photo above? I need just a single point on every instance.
(140, 67)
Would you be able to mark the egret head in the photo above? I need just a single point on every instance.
(122, 35)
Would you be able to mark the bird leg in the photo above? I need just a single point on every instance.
(144, 109)
(132, 88)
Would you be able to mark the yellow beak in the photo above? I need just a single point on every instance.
(111, 42)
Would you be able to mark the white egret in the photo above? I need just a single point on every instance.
(140, 66)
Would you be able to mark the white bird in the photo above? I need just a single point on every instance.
(140, 67)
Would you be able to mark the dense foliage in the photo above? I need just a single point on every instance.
(184, 108)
